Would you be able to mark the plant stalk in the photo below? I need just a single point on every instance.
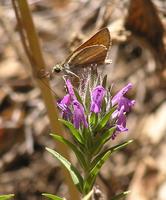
(37, 62)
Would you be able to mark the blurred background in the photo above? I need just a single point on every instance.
(138, 54)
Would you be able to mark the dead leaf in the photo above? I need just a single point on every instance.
(144, 22)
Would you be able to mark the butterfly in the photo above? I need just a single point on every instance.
(92, 52)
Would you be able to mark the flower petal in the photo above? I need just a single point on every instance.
(79, 115)
(97, 96)
(121, 93)
(64, 106)
(121, 122)
(127, 103)
(70, 89)
(66, 100)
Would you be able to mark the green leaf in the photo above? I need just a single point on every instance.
(75, 175)
(104, 106)
(88, 196)
(112, 149)
(87, 97)
(106, 135)
(78, 96)
(76, 134)
(74, 148)
(88, 183)
(104, 120)
(51, 196)
(121, 195)
(98, 158)
(92, 80)
(103, 138)
(88, 140)
(120, 146)
(93, 119)
(98, 80)
(104, 81)
(6, 197)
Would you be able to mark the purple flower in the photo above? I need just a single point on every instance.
(66, 100)
(127, 103)
(124, 105)
(64, 106)
(79, 115)
(70, 89)
(121, 93)
(73, 110)
(123, 101)
(121, 122)
(97, 96)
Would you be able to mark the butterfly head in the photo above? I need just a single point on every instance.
(57, 68)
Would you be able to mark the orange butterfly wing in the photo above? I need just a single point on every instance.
(95, 54)
(102, 37)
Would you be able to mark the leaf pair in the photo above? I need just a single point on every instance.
(84, 185)
(87, 197)
(54, 197)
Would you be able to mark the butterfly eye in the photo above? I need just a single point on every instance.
(57, 69)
